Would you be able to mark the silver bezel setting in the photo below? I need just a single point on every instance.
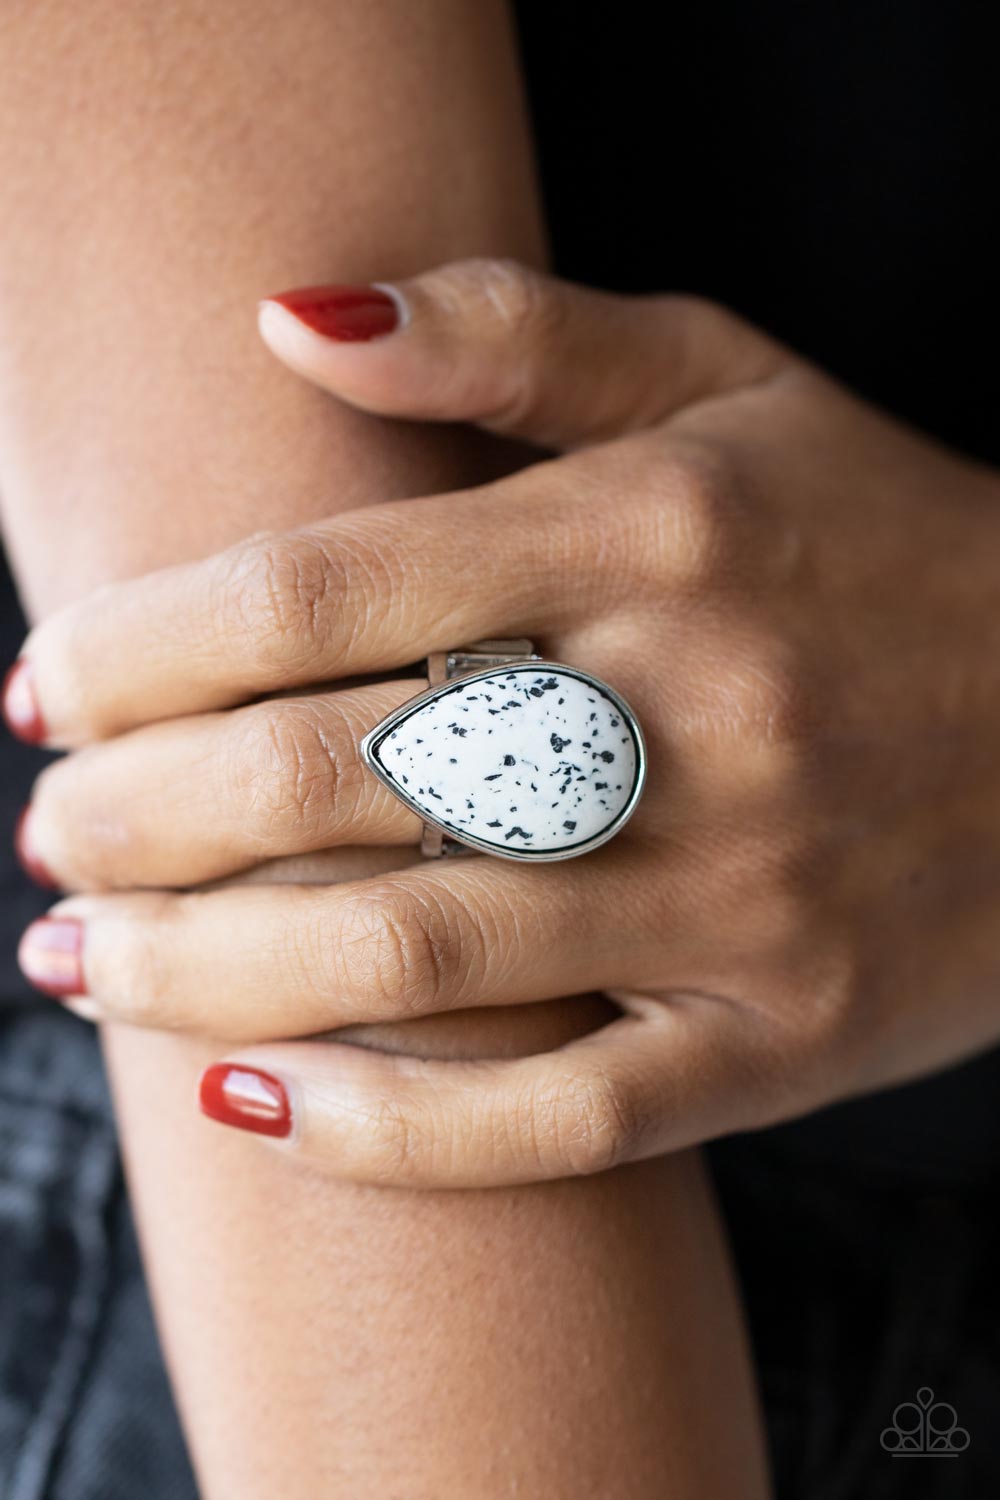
(470, 841)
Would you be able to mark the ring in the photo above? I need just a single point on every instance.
(511, 755)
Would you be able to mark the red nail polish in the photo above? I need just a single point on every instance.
(248, 1098)
(51, 956)
(20, 706)
(348, 314)
(27, 858)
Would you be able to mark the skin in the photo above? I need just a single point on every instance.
(323, 1337)
(805, 903)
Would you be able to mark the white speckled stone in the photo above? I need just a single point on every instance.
(527, 759)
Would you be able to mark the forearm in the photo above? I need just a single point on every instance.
(162, 175)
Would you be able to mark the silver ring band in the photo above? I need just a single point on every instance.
(511, 755)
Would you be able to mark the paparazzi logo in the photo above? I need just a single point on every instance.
(925, 1428)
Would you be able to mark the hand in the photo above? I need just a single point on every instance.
(800, 599)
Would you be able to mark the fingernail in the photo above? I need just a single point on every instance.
(247, 1098)
(347, 314)
(51, 956)
(28, 859)
(20, 706)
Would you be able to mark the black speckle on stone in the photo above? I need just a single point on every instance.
(509, 760)
(420, 742)
(406, 780)
(592, 718)
(514, 703)
(452, 761)
(607, 756)
(600, 786)
(432, 793)
(536, 692)
(496, 823)
(570, 825)
(494, 777)
(561, 701)
(516, 832)
(456, 729)
(558, 744)
(534, 787)
(615, 723)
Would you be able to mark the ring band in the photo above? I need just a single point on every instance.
(511, 755)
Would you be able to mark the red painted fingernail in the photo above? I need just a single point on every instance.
(20, 706)
(247, 1098)
(348, 314)
(27, 858)
(51, 956)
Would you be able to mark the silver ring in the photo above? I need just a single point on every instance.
(511, 755)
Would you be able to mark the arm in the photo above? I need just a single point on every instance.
(323, 1339)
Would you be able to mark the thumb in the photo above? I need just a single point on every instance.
(521, 353)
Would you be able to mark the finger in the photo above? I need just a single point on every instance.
(280, 778)
(496, 343)
(373, 590)
(257, 962)
(671, 1076)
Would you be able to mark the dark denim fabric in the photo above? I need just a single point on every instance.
(865, 1283)
(85, 1411)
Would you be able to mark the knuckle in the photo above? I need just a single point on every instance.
(401, 1143)
(282, 597)
(289, 769)
(400, 954)
(509, 307)
(589, 1124)
(701, 500)
(735, 347)
(696, 319)
(749, 709)
(683, 516)
(498, 290)
(763, 698)
(133, 970)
